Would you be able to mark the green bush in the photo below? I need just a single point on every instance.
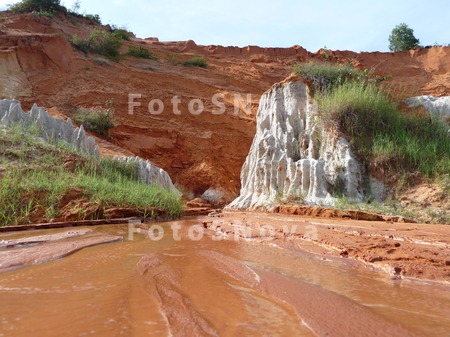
(100, 42)
(81, 44)
(121, 33)
(97, 120)
(38, 6)
(140, 52)
(326, 75)
(91, 17)
(402, 38)
(381, 135)
(196, 62)
(104, 43)
(75, 11)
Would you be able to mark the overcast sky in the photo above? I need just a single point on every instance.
(355, 25)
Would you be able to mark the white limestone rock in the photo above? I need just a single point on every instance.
(13, 115)
(293, 154)
(67, 133)
(152, 175)
(4, 107)
(213, 195)
(434, 105)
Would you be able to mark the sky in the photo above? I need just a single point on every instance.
(355, 25)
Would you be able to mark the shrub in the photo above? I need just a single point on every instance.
(402, 38)
(104, 43)
(140, 52)
(121, 33)
(38, 6)
(81, 44)
(93, 17)
(196, 62)
(75, 11)
(326, 75)
(97, 120)
(381, 135)
(100, 42)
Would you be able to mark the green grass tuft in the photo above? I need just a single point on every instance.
(121, 33)
(100, 42)
(381, 135)
(326, 75)
(33, 175)
(97, 120)
(196, 62)
(140, 52)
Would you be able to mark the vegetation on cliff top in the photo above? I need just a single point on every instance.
(108, 44)
(48, 8)
(402, 38)
(37, 175)
(381, 135)
(325, 75)
(38, 6)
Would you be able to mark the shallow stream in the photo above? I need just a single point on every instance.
(142, 287)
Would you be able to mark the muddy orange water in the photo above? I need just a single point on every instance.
(143, 287)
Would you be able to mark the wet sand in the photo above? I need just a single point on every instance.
(43, 248)
(403, 250)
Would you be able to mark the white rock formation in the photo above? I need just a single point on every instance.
(293, 154)
(51, 128)
(434, 105)
(153, 175)
(48, 127)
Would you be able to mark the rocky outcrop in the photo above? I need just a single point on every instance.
(294, 155)
(153, 175)
(56, 129)
(48, 127)
(434, 105)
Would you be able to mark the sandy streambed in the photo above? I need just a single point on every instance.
(188, 282)
(403, 250)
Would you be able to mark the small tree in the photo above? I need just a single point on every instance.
(402, 38)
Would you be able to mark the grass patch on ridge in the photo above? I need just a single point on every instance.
(384, 138)
(32, 174)
(381, 135)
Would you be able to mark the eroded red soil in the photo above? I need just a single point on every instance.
(38, 64)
